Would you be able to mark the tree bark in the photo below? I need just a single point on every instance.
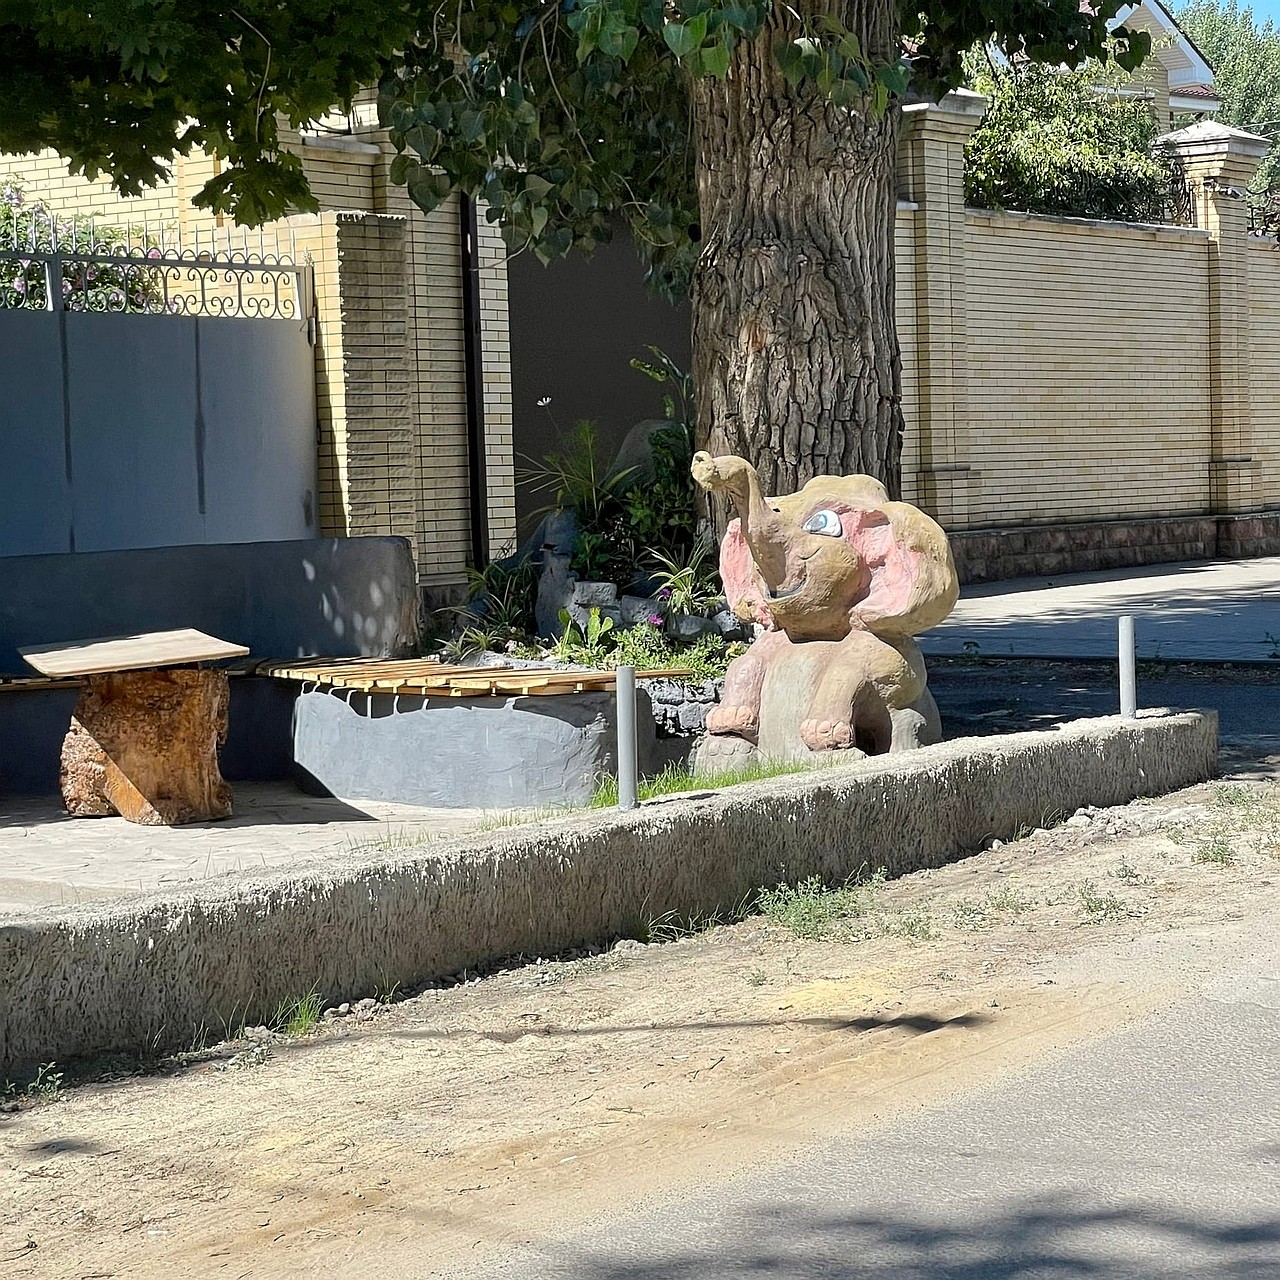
(144, 744)
(795, 346)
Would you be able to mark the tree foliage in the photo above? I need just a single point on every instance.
(1245, 58)
(560, 114)
(1061, 144)
(121, 87)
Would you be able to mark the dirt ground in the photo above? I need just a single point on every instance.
(412, 1138)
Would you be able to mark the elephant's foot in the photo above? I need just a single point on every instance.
(723, 753)
(739, 720)
(828, 735)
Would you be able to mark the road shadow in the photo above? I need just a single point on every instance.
(918, 1024)
(1020, 1238)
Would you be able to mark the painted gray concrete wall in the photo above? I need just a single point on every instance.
(330, 596)
(147, 972)
(463, 753)
(574, 326)
(126, 431)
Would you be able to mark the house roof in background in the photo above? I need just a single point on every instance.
(1186, 65)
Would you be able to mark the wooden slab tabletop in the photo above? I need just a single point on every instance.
(129, 653)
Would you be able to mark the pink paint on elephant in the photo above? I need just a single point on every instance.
(841, 578)
(894, 567)
(737, 572)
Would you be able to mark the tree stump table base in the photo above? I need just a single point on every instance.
(144, 744)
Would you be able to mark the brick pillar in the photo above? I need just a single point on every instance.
(374, 436)
(931, 176)
(1220, 163)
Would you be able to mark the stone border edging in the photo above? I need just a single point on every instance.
(148, 972)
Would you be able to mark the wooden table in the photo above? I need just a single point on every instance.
(144, 738)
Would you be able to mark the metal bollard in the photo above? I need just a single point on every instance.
(626, 737)
(1128, 672)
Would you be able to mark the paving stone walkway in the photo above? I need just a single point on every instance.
(50, 858)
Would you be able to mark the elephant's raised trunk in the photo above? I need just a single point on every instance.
(762, 526)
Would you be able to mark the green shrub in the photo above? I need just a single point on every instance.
(1060, 143)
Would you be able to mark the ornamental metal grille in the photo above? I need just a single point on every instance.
(50, 262)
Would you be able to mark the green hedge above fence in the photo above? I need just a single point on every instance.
(1061, 143)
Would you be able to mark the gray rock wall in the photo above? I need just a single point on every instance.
(462, 753)
(144, 973)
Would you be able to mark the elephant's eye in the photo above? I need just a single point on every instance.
(827, 522)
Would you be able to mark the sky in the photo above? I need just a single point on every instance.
(1262, 10)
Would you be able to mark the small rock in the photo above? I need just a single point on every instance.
(693, 715)
(343, 1009)
(595, 595)
(688, 626)
(1079, 820)
(366, 1004)
(727, 624)
(1039, 831)
(627, 946)
(636, 609)
(666, 692)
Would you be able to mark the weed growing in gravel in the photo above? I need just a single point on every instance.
(1214, 845)
(1125, 872)
(671, 926)
(1004, 901)
(1007, 900)
(1238, 817)
(811, 910)
(297, 1017)
(969, 915)
(1099, 908)
(45, 1085)
(756, 978)
(854, 911)
(910, 922)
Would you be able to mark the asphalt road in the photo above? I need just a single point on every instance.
(1151, 1153)
(1001, 696)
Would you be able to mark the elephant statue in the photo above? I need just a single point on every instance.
(841, 579)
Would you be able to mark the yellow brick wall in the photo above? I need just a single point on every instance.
(1264, 366)
(45, 174)
(495, 343)
(1088, 377)
(905, 306)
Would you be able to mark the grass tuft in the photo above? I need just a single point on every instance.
(676, 778)
(1099, 908)
(296, 1017)
(853, 911)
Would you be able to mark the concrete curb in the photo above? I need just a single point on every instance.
(146, 973)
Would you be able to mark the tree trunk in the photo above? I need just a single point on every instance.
(795, 348)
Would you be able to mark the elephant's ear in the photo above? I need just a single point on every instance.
(742, 587)
(912, 582)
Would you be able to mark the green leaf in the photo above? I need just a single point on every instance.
(471, 125)
(619, 39)
(423, 139)
(680, 38)
(537, 186)
(894, 76)
(715, 60)
(428, 188)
